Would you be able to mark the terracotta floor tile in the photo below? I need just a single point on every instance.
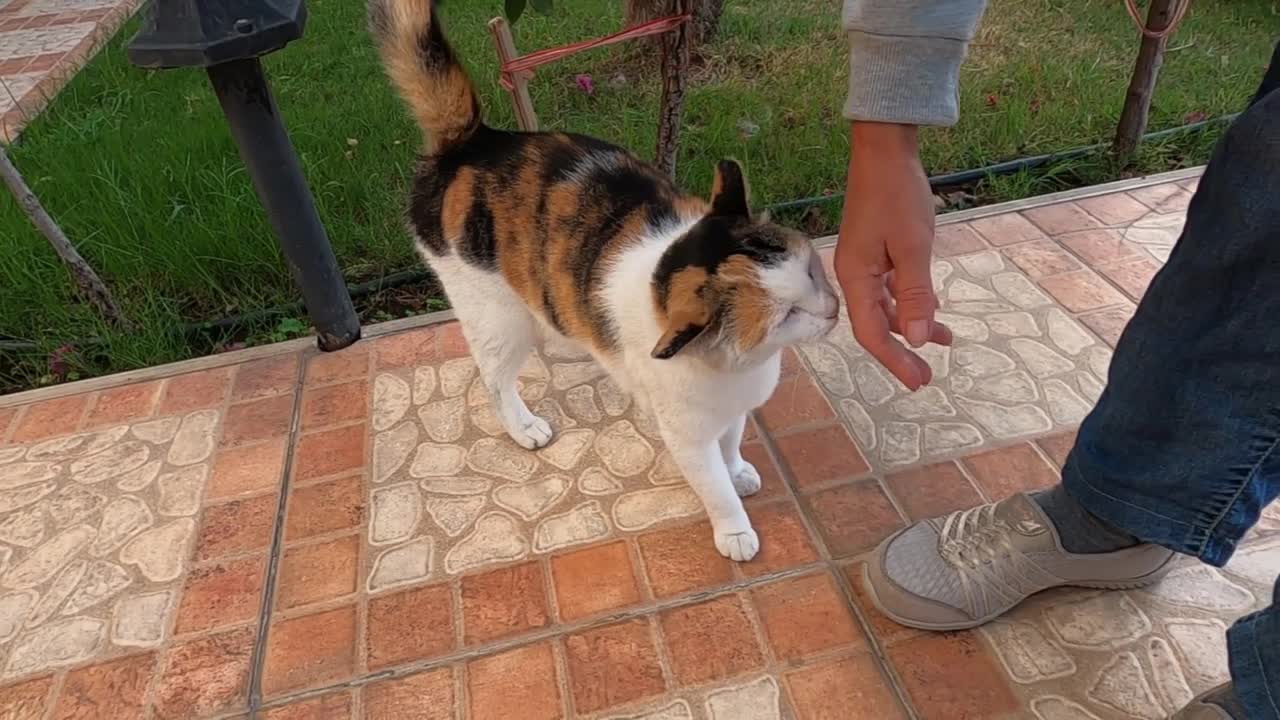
(49, 418)
(334, 706)
(1114, 209)
(932, 491)
(335, 404)
(246, 469)
(406, 349)
(952, 676)
(195, 391)
(594, 580)
(409, 625)
(791, 364)
(849, 689)
(797, 401)
(503, 602)
(784, 540)
(1006, 229)
(1163, 198)
(710, 641)
(1082, 291)
(956, 239)
(1109, 323)
(257, 420)
(450, 343)
(683, 559)
(1042, 258)
(27, 700)
(1003, 472)
(1098, 247)
(318, 572)
(1057, 447)
(1060, 218)
(236, 527)
(329, 452)
(115, 690)
(7, 416)
(613, 665)
(123, 404)
(325, 507)
(205, 676)
(1133, 277)
(772, 486)
(805, 616)
(262, 378)
(886, 630)
(349, 363)
(310, 650)
(821, 457)
(519, 683)
(425, 696)
(222, 595)
(854, 518)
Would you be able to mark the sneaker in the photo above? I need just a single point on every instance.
(1203, 707)
(970, 567)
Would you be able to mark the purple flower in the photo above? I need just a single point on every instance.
(586, 84)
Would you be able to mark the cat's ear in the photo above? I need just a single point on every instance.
(730, 195)
(689, 312)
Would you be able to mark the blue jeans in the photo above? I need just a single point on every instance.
(1183, 448)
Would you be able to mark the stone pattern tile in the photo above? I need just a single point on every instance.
(452, 493)
(43, 43)
(96, 529)
(1140, 654)
(1021, 366)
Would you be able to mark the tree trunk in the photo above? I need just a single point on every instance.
(1137, 102)
(675, 72)
(90, 285)
(706, 16)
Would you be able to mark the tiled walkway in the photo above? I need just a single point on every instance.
(42, 44)
(351, 535)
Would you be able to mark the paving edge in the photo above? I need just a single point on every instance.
(420, 321)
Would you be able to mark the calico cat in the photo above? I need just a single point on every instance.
(686, 303)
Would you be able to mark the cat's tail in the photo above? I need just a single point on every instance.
(422, 65)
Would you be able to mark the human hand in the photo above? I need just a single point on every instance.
(885, 250)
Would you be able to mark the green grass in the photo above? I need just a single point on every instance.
(140, 171)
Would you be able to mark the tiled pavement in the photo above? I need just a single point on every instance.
(42, 44)
(350, 535)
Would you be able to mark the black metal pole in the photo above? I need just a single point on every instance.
(273, 165)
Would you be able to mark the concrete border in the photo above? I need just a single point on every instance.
(420, 321)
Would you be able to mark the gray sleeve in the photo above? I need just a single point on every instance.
(904, 58)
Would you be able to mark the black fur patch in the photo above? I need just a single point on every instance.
(479, 244)
(731, 201)
(709, 244)
(678, 343)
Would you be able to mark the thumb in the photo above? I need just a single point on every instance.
(912, 289)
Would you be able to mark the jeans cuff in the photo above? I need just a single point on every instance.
(1254, 645)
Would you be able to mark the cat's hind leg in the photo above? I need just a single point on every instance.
(501, 333)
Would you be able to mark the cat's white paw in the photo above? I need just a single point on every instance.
(739, 546)
(531, 433)
(746, 480)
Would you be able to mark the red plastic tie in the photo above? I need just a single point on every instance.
(525, 64)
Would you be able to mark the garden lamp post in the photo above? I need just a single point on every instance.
(226, 38)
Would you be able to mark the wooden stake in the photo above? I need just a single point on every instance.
(1146, 71)
(90, 285)
(675, 73)
(505, 42)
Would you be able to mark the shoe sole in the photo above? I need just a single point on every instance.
(1139, 582)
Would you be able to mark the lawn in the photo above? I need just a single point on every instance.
(139, 168)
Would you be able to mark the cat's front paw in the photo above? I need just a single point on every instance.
(746, 480)
(531, 433)
(739, 545)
